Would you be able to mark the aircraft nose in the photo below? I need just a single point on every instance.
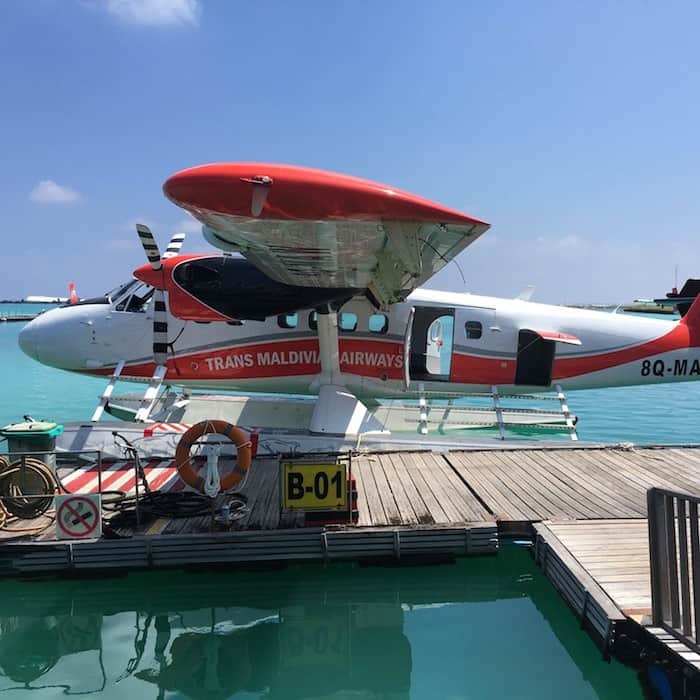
(28, 340)
(51, 339)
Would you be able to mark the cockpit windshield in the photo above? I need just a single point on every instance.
(115, 295)
(134, 297)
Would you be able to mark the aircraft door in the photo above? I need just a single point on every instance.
(535, 359)
(429, 343)
(434, 347)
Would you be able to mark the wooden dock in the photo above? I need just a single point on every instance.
(584, 507)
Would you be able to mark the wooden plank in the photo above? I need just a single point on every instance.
(434, 479)
(586, 478)
(406, 513)
(385, 492)
(504, 504)
(414, 469)
(615, 554)
(417, 505)
(363, 514)
(364, 465)
(569, 502)
(572, 564)
(273, 505)
(257, 490)
(470, 509)
(549, 506)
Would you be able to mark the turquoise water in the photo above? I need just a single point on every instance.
(486, 628)
(28, 387)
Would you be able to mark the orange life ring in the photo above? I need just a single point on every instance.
(243, 453)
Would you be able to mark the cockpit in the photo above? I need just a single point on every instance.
(134, 297)
(131, 296)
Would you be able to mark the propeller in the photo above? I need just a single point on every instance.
(160, 311)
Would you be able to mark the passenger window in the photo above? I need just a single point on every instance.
(287, 320)
(473, 329)
(347, 322)
(378, 323)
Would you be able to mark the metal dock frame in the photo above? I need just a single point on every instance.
(245, 547)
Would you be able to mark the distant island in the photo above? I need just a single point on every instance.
(35, 299)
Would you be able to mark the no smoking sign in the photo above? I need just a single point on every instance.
(78, 517)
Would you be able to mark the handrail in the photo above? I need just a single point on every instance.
(674, 559)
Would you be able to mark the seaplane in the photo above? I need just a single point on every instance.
(315, 289)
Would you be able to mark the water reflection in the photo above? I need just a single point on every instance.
(479, 629)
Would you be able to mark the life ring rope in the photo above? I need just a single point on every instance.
(183, 460)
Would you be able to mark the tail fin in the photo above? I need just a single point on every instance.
(685, 297)
(692, 317)
(72, 294)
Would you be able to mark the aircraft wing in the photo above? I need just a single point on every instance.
(320, 229)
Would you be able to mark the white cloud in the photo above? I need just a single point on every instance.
(155, 13)
(50, 192)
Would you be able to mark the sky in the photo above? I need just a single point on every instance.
(571, 127)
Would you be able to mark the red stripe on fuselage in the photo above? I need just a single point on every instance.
(677, 339)
(283, 358)
(384, 358)
(472, 369)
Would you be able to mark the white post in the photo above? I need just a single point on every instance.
(499, 412)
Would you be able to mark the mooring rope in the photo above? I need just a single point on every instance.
(27, 488)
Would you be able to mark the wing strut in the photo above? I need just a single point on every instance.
(337, 410)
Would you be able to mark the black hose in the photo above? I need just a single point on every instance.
(164, 504)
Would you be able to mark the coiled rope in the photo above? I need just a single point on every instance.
(27, 487)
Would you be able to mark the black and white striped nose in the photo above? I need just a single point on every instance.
(160, 309)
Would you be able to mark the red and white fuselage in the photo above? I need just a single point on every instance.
(465, 343)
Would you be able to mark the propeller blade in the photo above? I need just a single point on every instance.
(150, 247)
(160, 328)
(174, 246)
(160, 310)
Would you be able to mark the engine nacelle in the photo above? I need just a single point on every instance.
(225, 288)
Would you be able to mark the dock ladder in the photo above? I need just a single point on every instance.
(107, 393)
(570, 424)
(150, 395)
(422, 410)
(146, 403)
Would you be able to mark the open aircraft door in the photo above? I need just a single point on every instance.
(433, 348)
(536, 352)
(407, 348)
(428, 344)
